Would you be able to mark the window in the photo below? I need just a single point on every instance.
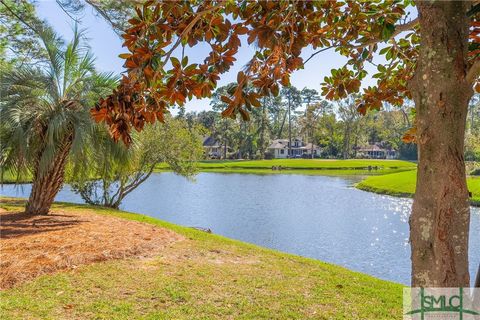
(282, 151)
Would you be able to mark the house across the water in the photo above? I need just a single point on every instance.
(374, 151)
(279, 149)
(213, 148)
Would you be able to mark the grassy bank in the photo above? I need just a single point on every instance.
(204, 277)
(402, 184)
(9, 177)
(303, 166)
(289, 166)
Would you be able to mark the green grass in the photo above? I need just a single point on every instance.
(290, 166)
(205, 277)
(303, 166)
(9, 177)
(402, 184)
(319, 164)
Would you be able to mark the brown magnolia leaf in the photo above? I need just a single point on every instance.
(98, 115)
(227, 113)
(131, 64)
(410, 135)
(148, 71)
(362, 108)
(226, 99)
(245, 115)
(477, 87)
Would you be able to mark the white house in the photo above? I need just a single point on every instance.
(213, 148)
(374, 151)
(279, 149)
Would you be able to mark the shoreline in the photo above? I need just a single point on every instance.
(223, 273)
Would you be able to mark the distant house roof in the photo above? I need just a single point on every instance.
(278, 144)
(371, 147)
(283, 144)
(210, 142)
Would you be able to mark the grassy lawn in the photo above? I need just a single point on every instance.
(9, 177)
(289, 166)
(203, 277)
(403, 184)
(303, 166)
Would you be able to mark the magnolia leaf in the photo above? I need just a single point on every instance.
(387, 31)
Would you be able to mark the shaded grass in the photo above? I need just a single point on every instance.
(402, 184)
(204, 277)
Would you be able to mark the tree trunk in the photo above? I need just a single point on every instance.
(262, 130)
(439, 224)
(346, 141)
(225, 140)
(47, 184)
(289, 125)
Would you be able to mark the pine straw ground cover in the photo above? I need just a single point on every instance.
(203, 276)
(35, 245)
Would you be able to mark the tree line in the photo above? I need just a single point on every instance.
(47, 135)
(336, 127)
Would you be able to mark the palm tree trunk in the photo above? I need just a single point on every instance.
(46, 185)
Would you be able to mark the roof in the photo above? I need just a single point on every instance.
(283, 144)
(278, 144)
(210, 142)
(372, 147)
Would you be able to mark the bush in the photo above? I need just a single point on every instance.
(268, 155)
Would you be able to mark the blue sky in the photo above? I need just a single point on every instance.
(106, 46)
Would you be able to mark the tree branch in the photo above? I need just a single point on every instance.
(132, 186)
(189, 27)
(398, 29)
(116, 27)
(19, 18)
(473, 72)
(66, 11)
(319, 51)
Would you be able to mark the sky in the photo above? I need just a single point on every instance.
(106, 45)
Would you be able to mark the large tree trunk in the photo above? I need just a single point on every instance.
(47, 184)
(439, 224)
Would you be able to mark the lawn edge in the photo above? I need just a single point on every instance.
(198, 235)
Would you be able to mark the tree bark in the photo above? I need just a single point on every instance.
(289, 125)
(439, 224)
(47, 184)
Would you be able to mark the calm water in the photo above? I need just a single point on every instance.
(313, 216)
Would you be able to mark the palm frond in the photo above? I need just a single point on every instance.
(43, 108)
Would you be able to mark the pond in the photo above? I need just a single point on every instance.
(321, 217)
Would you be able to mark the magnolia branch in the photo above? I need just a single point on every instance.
(319, 51)
(189, 27)
(398, 29)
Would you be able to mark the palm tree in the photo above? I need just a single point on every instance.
(44, 115)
